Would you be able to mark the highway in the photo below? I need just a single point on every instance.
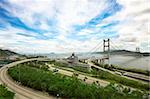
(90, 80)
(22, 92)
(127, 75)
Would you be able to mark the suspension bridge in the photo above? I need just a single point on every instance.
(109, 48)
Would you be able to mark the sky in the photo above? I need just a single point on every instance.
(61, 26)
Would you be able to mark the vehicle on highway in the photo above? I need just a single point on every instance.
(75, 74)
(55, 70)
(118, 73)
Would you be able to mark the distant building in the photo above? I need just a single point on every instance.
(13, 57)
(2, 58)
(72, 59)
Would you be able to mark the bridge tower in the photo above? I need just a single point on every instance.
(106, 48)
(137, 49)
(106, 45)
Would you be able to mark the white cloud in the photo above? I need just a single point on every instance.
(132, 29)
(85, 32)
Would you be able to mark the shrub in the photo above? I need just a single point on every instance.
(5, 94)
(108, 76)
(67, 87)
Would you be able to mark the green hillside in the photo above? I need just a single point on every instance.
(5, 53)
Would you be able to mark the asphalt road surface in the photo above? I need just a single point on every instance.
(21, 91)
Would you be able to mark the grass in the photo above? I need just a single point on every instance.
(68, 87)
(139, 71)
(5, 94)
(107, 76)
(118, 79)
(64, 66)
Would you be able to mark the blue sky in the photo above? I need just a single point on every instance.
(43, 26)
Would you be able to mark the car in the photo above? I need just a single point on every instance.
(55, 70)
(118, 73)
(75, 74)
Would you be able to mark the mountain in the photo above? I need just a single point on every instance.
(6, 53)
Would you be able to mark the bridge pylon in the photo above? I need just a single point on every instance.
(106, 48)
(106, 45)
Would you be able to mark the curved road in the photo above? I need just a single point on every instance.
(21, 91)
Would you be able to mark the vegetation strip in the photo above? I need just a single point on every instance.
(5, 94)
(107, 76)
(36, 76)
(133, 70)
